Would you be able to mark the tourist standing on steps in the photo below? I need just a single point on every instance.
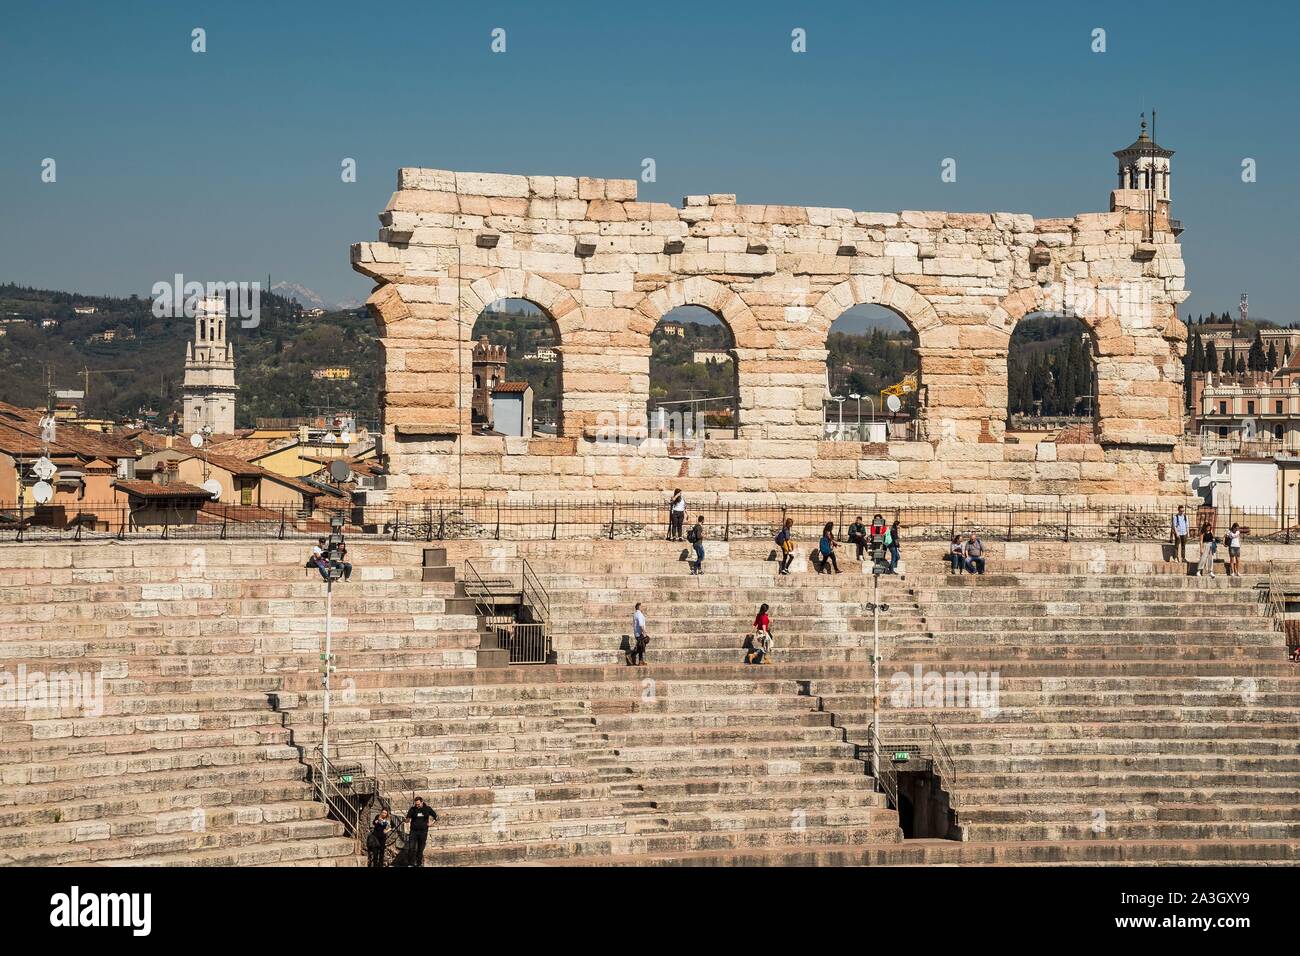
(378, 839)
(639, 639)
(696, 538)
(893, 541)
(418, 832)
(785, 545)
(827, 548)
(1233, 540)
(858, 536)
(975, 555)
(1208, 547)
(1178, 534)
(676, 515)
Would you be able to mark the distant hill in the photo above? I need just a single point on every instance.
(141, 361)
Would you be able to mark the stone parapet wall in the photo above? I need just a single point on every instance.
(606, 267)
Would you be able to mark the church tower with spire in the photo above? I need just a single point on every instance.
(1143, 192)
(208, 395)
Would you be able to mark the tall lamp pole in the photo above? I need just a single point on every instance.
(876, 609)
(333, 563)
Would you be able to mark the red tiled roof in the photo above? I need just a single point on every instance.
(246, 469)
(68, 439)
(511, 387)
(174, 489)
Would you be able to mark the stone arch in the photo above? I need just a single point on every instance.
(550, 297)
(697, 290)
(554, 301)
(913, 307)
(908, 304)
(746, 336)
(1138, 367)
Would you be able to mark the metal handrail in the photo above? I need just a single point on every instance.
(336, 802)
(488, 608)
(530, 582)
(945, 765)
(882, 771)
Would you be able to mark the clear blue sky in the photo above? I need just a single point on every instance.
(225, 165)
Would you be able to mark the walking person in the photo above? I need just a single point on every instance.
(975, 555)
(1178, 529)
(639, 638)
(696, 538)
(1208, 547)
(893, 542)
(785, 545)
(858, 536)
(759, 644)
(676, 515)
(418, 816)
(377, 842)
(827, 549)
(1233, 539)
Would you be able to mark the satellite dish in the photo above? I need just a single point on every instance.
(329, 438)
(42, 491)
(212, 487)
(892, 403)
(345, 437)
(196, 440)
(339, 470)
(43, 469)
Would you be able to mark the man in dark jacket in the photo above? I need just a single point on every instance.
(418, 817)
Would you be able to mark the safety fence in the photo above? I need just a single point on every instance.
(578, 519)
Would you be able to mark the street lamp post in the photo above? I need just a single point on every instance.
(839, 400)
(876, 609)
(333, 565)
(858, 398)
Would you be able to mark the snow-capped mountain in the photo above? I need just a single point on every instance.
(304, 296)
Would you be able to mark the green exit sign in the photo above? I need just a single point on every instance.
(347, 778)
(902, 756)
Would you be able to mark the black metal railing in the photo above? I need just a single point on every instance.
(577, 519)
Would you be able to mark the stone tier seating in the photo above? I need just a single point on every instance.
(1141, 717)
(189, 763)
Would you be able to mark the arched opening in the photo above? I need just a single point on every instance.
(694, 386)
(873, 377)
(517, 368)
(1051, 379)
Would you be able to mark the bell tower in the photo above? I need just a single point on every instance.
(208, 395)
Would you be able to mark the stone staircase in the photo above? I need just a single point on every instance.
(1139, 717)
(185, 760)
(558, 764)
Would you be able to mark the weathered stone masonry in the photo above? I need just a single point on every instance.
(606, 267)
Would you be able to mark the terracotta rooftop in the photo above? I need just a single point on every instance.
(174, 489)
(511, 387)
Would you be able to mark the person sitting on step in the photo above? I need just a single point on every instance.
(858, 536)
(975, 555)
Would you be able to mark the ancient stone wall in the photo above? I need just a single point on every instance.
(606, 267)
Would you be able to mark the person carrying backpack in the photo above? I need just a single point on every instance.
(785, 545)
(827, 549)
(696, 538)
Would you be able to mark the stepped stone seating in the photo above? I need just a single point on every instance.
(1140, 717)
(186, 761)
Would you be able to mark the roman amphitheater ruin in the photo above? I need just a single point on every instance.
(606, 267)
(184, 698)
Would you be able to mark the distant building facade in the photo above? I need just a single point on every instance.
(208, 395)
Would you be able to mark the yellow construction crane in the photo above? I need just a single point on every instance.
(905, 387)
